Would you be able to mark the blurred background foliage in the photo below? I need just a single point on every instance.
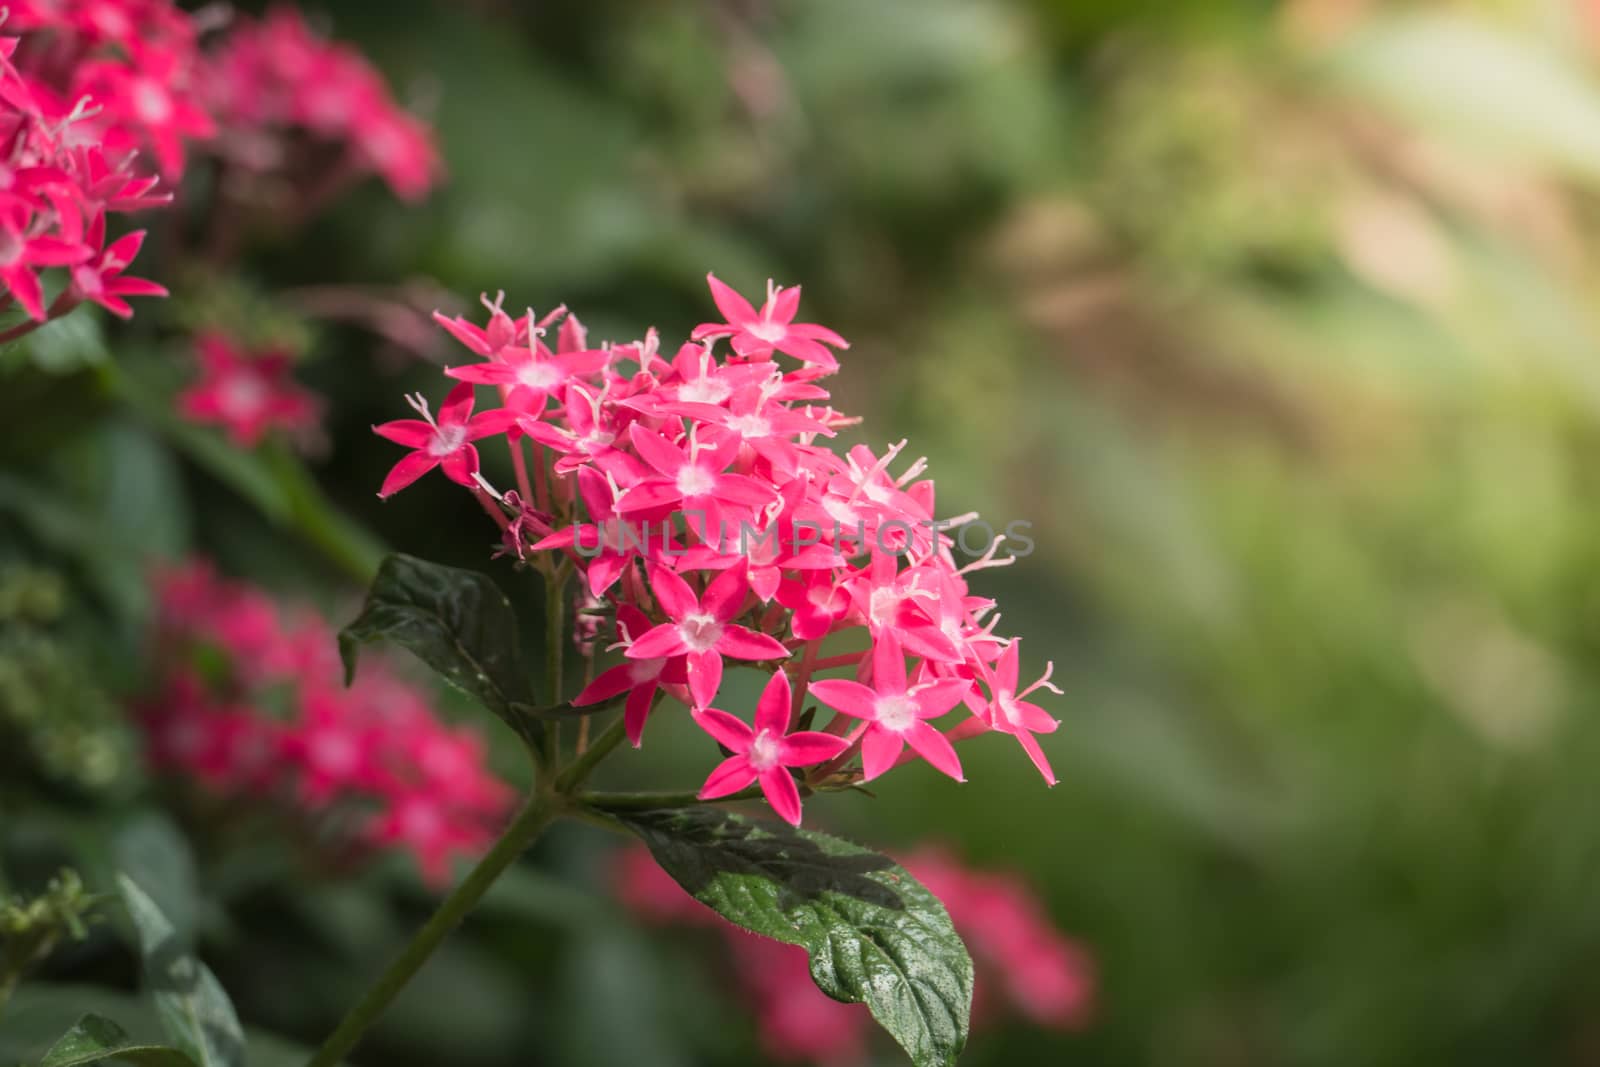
(1277, 320)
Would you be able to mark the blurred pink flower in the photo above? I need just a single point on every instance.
(248, 394)
(249, 706)
(1025, 967)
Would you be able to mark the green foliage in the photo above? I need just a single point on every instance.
(457, 622)
(31, 928)
(195, 1011)
(874, 934)
(60, 731)
(95, 1039)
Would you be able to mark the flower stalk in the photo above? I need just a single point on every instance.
(542, 809)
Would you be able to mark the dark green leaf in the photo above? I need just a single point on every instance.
(195, 1011)
(875, 934)
(456, 621)
(96, 1039)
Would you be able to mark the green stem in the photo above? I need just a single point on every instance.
(579, 770)
(646, 801)
(542, 809)
(555, 618)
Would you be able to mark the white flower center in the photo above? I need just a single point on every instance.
(151, 102)
(536, 375)
(897, 713)
(700, 632)
(840, 511)
(597, 441)
(751, 426)
(770, 332)
(883, 605)
(242, 395)
(695, 481)
(764, 751)
(705, 391)
(446, 440)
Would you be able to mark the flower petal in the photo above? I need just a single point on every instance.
(673, 593)
(637, 710)
(730, 731)
(932, 746)
(809, 747)
(457, 406)
(705, 676)
(658, 643)
(743, 643)
(407, 471)
(726, 594)
(879, 750)
(782, 794)
(735, 308)
(847, 697)
(772, 710)
(729, 776)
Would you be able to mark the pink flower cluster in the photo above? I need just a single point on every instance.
(1025, 967)
(90, 88)
(692, 496)
(247, 393)
(83, 89)
(251, 706)
(279, 90)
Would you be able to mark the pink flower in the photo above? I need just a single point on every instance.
(608, 543)
(818, 603)
(896, 714)
(1023, 961)
(100, 278)
(149, 96)
(726, 456)
(592, 432)
(755, 335)
(530, 374)
(501, 331)
(702, 629)
(639, 678)
(1010, 714)
(765, 754)
(247, 394)
(422, 824)
(275, 84)
(267, 720)
(693, 479)
(445, 443)
(23, 250)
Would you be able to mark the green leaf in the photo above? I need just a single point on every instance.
(195, 1011)
(67, 344)
(41, 1010)
(457, 622)
(96, 1039)
(152, 852)
(875, 935)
